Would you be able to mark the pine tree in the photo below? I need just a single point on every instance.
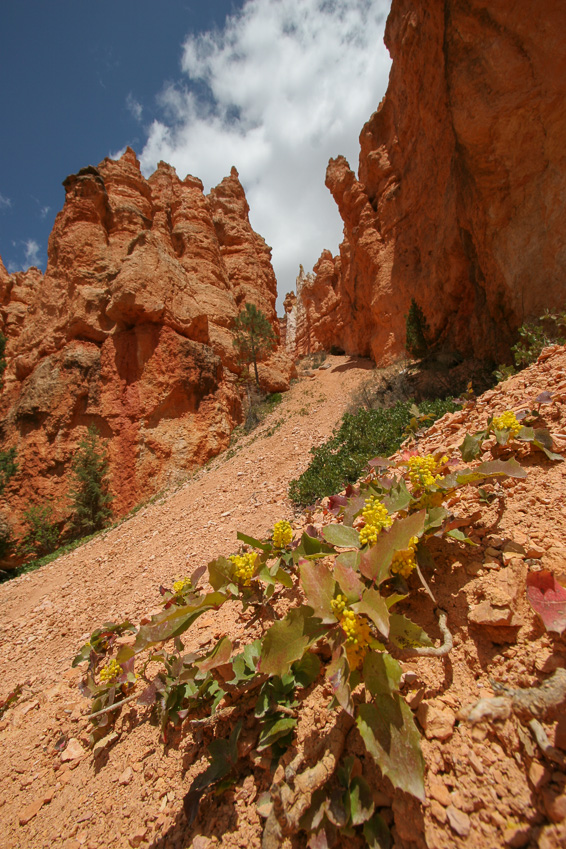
(89, 495)
(417, 330)
(254, 338)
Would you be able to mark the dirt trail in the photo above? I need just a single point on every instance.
(46, 615)
(488, 786)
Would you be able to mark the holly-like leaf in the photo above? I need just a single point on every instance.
(493, 469)
(274, 729)
(543, 441)
(377, 833)
(219, 655)
(435, 516)
(318, 585)
(311, 547)
(375, 562)
(349, 581)
(254, 543)
(361, 801)
(390, 736)
(382, 673)
(220, 573)
(373, 605)
(287, 640)
(176, 620)
(341, 536)
(405, 634)
(355, 504)
(223, 758)
(338, 674)
(460, 536)
(547, 598)
(471, 447)
(398, 498)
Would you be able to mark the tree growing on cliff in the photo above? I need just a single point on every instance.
(254, 338)
(417, 330)
(90, 499)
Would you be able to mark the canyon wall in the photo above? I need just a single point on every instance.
(460, 197)
(129, 329)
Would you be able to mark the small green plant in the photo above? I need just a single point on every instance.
(254, 337)
(417, 331)
(8, 467)
(41, 534)
(534, 336)
(341, 459)
(90, 499)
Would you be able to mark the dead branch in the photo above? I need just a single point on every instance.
(292, 793)
(544, 744)
(432, 651)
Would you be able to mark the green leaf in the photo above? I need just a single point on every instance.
(254, 543)
(361, 801)
(435, 516)
(341, 536)
(355, 504)
(220, 573)
(311, 547)
(318, 585)
(224, 757)
(377, 833)
(382, 673)
(405, 634)
(176, 620)
(502, 436)
(399, 498)
(338, 673)
(494, 468)
(219, 655)
(375, 562)
(306, 670)
(459, 535)
(390, 736)
(286, 641)
(543, 441)
(274, 729)
(350, 584)
(394, 599)
(471, 447)
(374, 606)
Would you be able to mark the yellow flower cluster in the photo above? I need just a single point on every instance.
(357, 631)
(376, 518)
(282, 534)
(111, 671)
(182, 585)
(245, 567)
(507, 421)
(404, 561)
(423, 470)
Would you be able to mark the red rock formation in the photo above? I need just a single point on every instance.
(461, 192)
(313, 317)
(129, 329)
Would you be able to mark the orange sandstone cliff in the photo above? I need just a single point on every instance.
(129, 329)
(460, 199)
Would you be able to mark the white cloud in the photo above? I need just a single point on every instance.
(288, 85)
(5, 203)
(44, 211)
(134, 107)
(31, 253)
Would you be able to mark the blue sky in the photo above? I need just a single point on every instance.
(273, 87)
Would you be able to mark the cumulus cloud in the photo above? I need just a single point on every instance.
(134, 107)
(277, 92)
(5, 203)
(31, 253)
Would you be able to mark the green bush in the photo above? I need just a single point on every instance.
(361, 436)
(41, 535)
(534, 335)
(8, 467)
(417, 331)
(90, 499)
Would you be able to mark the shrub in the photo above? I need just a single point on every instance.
(534, 335)
(42, 534)
(361, 436)
(90, 498)
(8, 467)
(417, 330)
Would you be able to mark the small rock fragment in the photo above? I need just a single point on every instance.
(30, 811)
(555, 806)
(126, 776)
(73, 751)
(459, 821)
(440, 792)
(436, 723)
(517, 836)
(485, 614)
(138, 837)
(438, 811)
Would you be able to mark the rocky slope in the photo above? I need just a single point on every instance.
(129, 328)
(487, 785)
(459, 199)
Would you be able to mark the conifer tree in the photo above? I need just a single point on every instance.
(254, 338)
(90, 498)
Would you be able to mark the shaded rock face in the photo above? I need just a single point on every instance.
(460, 197)
(129, 328)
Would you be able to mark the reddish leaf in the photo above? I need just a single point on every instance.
(547, 598)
